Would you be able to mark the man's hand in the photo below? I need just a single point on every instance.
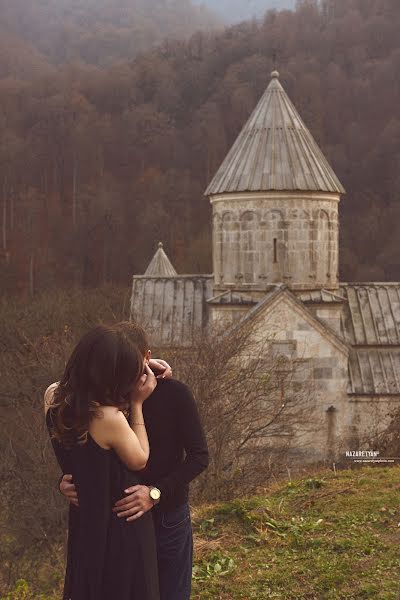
(68, 490)
(161, 367)
(135, 504)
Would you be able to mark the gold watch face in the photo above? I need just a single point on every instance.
(155, 494)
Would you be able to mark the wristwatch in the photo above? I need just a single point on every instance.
(155, 494)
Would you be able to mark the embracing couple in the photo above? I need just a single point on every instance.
(128, 443)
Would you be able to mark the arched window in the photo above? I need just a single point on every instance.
(229, 268)
(277, 250)
(322, 250)
(248, 231)
(217, 247)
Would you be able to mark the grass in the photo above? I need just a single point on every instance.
(326, 537)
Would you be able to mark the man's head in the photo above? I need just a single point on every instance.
(137, 335)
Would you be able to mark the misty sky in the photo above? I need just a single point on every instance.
(239, 10)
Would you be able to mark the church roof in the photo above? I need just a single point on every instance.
(275, 152)
(277, 292)
(230, 297)
(160, 265)
(173, 310)
(374, 371)
(371, 324)
(321, 296)
(372, 315)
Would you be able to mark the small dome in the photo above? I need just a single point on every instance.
(160, 265)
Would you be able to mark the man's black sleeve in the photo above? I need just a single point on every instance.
(194, 443)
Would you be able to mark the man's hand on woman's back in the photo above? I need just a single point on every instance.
(68, 489)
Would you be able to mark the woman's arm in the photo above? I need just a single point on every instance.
(130, 441)
(120, 436)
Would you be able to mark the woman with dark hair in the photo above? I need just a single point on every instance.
(107, 377)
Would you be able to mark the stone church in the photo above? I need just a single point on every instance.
(275, 202)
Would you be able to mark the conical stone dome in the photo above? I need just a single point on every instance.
(275, 152)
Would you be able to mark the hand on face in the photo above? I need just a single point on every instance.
(144, 387)
(161, 367)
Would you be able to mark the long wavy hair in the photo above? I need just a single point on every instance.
(103, 367)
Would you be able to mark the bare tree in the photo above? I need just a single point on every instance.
(251, 398)
(385, 437)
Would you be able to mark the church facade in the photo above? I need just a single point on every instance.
(275, 202)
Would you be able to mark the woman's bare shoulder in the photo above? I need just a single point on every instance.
(48, 395)
(107, 421)
(107, 412)
(105, 416)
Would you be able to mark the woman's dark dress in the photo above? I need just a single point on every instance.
(107, 558)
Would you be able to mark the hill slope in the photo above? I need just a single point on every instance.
(327, 537)
(322, 537)
(122, 155)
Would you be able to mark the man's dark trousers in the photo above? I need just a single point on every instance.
(173, 529)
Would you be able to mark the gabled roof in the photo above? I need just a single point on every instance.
(275, 152)
(282, 290)
(160, 265)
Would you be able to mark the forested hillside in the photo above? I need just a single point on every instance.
(98, 165)
(98, 32)
(233, 11)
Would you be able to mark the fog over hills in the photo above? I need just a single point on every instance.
(98, 32)
(105, 149)
(233, 11)
(104, 32)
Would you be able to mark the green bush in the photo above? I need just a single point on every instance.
(22, 591)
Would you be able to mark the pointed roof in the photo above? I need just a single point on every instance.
(275, 152)
(160, 265)
(275, 295)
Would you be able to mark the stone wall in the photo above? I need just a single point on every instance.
(367, 417)
(260, 239)
(329, 314)
(225, 316)
(321, 368)
(334, 420)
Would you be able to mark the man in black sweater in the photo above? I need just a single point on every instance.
(178, 454)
